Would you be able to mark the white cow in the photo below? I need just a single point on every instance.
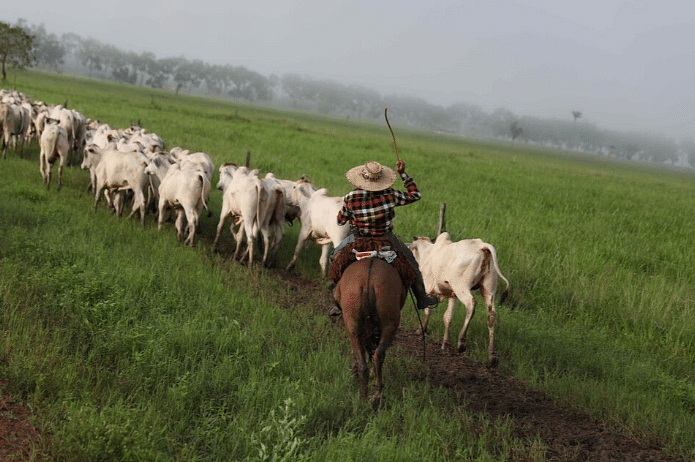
(14, 121)
(318, 214)
(291, 194)
(452, 270)
(157, 169)
(115, 171)
(54, 144)
(186, 191)
(239, 188)
(79, 128)
(270, 214)
(254, 205)
(66, 119)
(197, 161)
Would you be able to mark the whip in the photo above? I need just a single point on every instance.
(392, 135)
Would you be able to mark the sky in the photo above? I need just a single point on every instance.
(626, 65)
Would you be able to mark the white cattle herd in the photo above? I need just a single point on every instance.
(132, 166)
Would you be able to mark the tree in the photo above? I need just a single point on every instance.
(515, 129)
(576, 115)
(50, 52)
(89, 54)
(16, 48)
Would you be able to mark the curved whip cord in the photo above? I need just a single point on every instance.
(392, 135)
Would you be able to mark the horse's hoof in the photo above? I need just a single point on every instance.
(377, 402)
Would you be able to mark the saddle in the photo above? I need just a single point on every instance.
(367, 247)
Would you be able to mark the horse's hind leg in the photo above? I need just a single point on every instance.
(387, 336)
(360, 366)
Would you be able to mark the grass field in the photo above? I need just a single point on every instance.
(128, 346)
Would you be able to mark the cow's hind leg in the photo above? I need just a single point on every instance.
(489, 297)
(192, 218)
(448, 316)
(425, 321)
(42, 156)
(47, 177)
(220, 225)
(180, 219)
(60, 172)
(138, 205)
(469, 302)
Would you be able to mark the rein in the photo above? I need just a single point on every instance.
(424, 345)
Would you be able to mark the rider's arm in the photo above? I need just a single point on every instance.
(411, 195)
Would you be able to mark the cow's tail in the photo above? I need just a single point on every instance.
(260, 210)
(278, 212)
(52, 143)
(204, 190)
(496, 267)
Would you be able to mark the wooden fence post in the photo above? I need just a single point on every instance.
(442, 222)
(248, 159)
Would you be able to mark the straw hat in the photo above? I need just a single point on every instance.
(372, 176)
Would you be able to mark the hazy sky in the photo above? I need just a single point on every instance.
(627, 65)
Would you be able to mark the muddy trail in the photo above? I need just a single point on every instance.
(568, 435)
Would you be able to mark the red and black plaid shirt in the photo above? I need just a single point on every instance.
(372, 211)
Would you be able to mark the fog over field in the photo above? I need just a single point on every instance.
(625, 65)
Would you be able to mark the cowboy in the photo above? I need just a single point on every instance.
(369, 208)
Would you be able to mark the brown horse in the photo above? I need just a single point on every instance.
(371, 295)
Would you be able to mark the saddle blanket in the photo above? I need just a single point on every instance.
(385, 254)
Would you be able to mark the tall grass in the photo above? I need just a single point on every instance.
(130, 347)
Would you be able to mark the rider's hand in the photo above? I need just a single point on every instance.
(400, 166)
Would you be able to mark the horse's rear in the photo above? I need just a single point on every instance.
(371, 295)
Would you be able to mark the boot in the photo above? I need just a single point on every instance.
(423, 299)
(334, 312)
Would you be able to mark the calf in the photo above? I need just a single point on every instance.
(452, 270)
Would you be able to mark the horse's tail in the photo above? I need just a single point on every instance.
(370, 294)
(372, 321)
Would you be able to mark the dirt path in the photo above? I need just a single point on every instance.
(568, 434)
(19, 440)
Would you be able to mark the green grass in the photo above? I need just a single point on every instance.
(129, 346)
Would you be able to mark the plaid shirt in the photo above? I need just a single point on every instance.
(372, 211)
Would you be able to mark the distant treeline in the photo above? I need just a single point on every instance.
(75, 55)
